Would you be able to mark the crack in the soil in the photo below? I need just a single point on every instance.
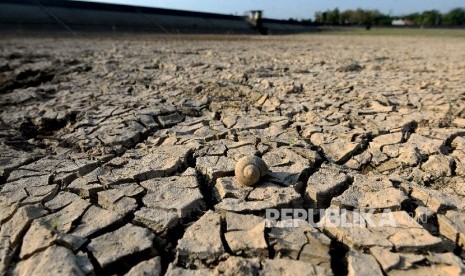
(338, 252)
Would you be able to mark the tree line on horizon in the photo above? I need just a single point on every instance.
(361, 17)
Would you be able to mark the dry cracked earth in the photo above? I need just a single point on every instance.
(118, 155)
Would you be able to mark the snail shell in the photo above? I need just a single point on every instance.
(249, 169)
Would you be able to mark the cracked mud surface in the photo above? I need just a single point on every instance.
(118, 155)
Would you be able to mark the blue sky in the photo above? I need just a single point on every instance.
(295, 8)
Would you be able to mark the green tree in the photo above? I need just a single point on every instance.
(383, 19)
(329, 17)
(431, 18)
(319, 19)
(455, 17)
(333, 17)
(416, 18)
(358, 17)
(361, 17)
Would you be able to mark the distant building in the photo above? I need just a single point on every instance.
(401, 22)
(255, 18)
(255, 15)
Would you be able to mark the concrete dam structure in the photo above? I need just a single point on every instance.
(26, 16)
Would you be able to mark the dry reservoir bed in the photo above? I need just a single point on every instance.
(118, 154)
